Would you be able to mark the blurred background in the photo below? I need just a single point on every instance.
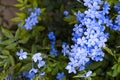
(7, 11)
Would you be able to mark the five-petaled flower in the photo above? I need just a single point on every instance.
(37, 57)
(21, 54)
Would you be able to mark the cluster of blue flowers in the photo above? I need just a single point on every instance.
(32, 20)
(88, 35)
(52, 38)
(30, 75)
(116, 23)
(36, 58)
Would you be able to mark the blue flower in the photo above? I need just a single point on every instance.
(88, 36)
(41, 63)
(37, 57)
(42, 73)
(37, 11)
(79, 16)
(60, 76)
(54, 52)
(81, 68)
(66, 13)
(32, 20)
(51, 36)
(70, 67)
(116, 24)
(117, 7)
(9, 77)
(87, 74)
(30, 75)
(33, 70)
(65, 48)
(21, 54)
(106, 7)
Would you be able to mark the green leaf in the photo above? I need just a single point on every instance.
(24, 36)
(20, 1)
(88, 78)
(40, 28)
(12, 60)
(18, 65)
(43, 9)
(119, 59)
(55, 70)
(3, 56)
(35, 4)
(23, 33)
(48, 69)
(118, 68)
(98, 71)
(6, 63)
(19, 5)
(93, 74)
(34, 49)
(7, 33)
(25, 1)
(5, 52)
(21, 23)
(22, 8)
(26, 67)
(71, 20)
(7, 42)
(109, 73)
(115, 73)
(16, 19)
(3, 75)
(94, 65)
(108, 50)
(24, 40)
(115, 66)
(2, 63)
(17, 33)
(111, 2)
(11, 46)
(21, 15)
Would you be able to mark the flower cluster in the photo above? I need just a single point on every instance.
(88, 35)
(52, 38)
(30, 74)
(116, 23)
(32, 20)
(37, 58)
